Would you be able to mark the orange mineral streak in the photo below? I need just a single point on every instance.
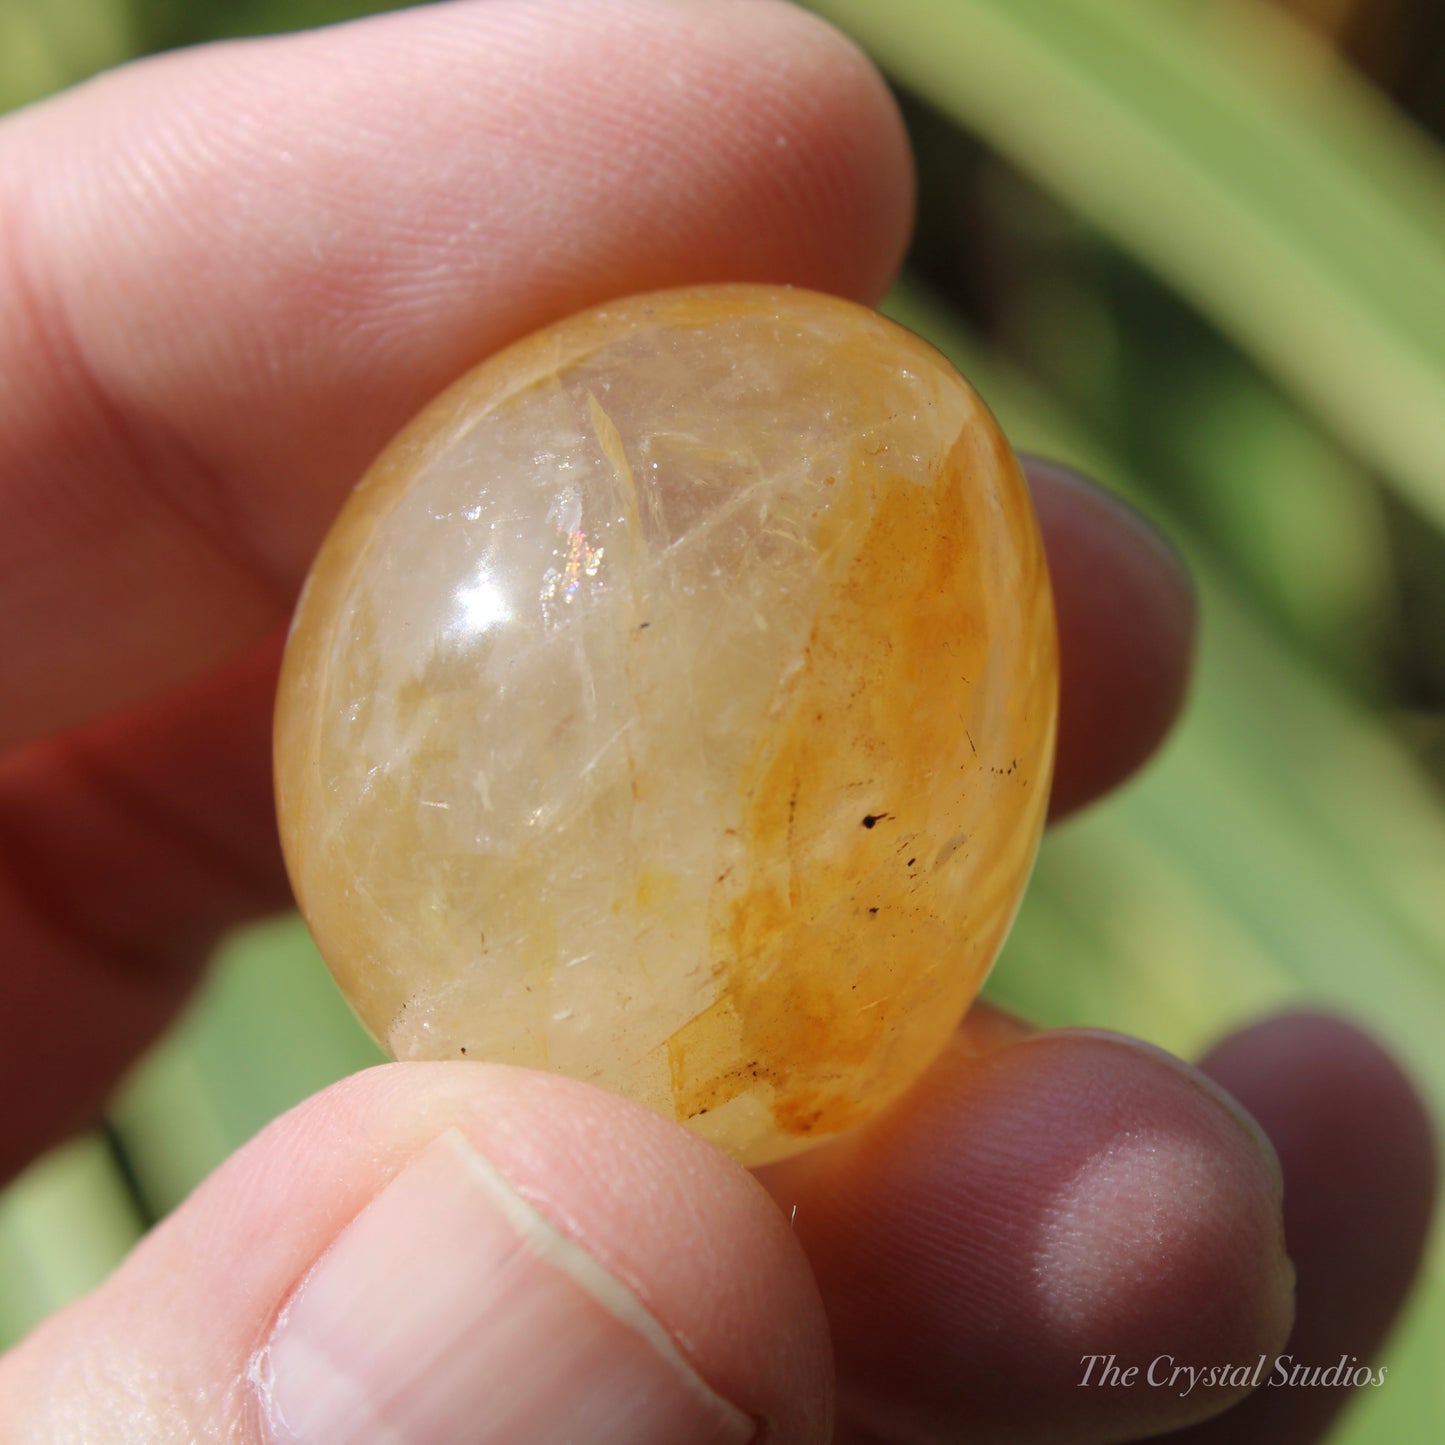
(672, 706)
(841, 962)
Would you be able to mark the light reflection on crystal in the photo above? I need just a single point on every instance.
(561, 584)
(480, 605)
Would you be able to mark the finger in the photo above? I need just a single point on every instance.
(230, 274)
(1126, 610)
(125, 851)
(127, 848)
(441, 1252)
(1357, 1149)
(1028, 1206)
(205, 334)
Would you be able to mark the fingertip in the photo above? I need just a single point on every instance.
(854, 172)
(1357, 1145)
(1070, 1196)
(460, 1250)
(1358, 1151)
(1189, 1165)
(1127, 614)
(1280, 1065)
(223, 322)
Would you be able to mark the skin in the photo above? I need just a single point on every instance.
(206, 330)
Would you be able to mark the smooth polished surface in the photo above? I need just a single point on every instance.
(673, 706)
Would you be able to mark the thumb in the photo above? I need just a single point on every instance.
(446, 1252)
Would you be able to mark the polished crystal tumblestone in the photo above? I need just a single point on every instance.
(672, 706)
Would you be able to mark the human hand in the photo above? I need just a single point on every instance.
(226, 278)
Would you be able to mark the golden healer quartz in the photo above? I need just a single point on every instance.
(672, 706)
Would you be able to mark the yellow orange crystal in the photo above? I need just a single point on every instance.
(673, 706)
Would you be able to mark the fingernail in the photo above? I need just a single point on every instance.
(451, 1309)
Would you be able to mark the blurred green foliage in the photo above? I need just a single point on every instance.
(1192, 248)
(44, 46)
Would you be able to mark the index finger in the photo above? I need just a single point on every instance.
(228, 275)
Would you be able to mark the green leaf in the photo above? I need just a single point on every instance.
(268, 1030)
(48, 44)
(1266, 184)
(64, 1225)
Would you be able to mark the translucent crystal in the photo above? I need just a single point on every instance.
(672, 706)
